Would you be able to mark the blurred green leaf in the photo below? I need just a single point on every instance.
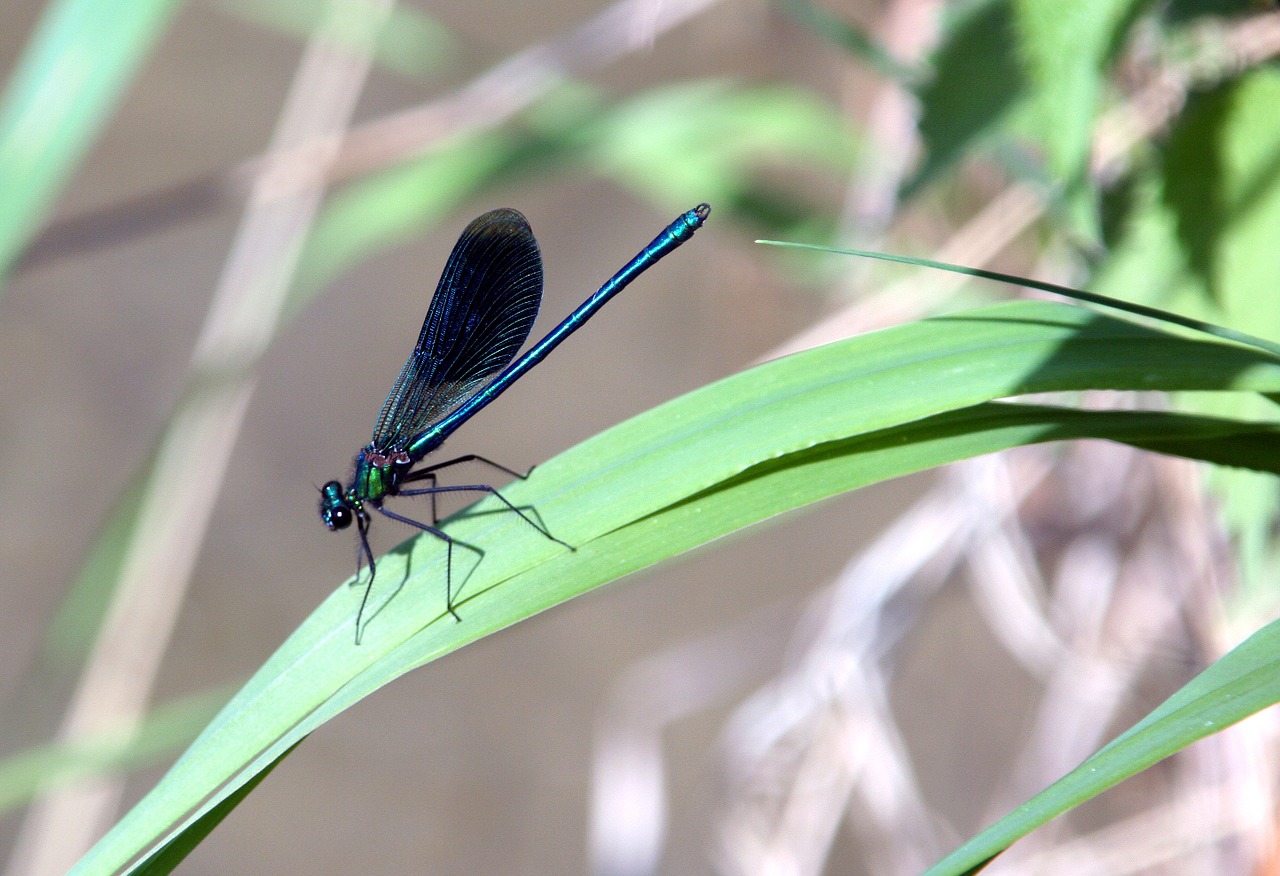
(1183, 11)
(393, 206)
(74, 627)
(70, 77)
(721, 142)
(409, 43)
(70, 636)
(1144, 261)
(1065, 87)
(708, 138)
(165, 729)
(852, 39)
(976, 83)
(1222, 181)
(1244, 682)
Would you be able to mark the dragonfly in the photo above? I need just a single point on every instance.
(481, 315)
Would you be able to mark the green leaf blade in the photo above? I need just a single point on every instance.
(751, 446)
(1243, 682)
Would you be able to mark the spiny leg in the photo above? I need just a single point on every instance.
(492, 491)
(364, 552)
(448, 556)
(428, 473)
(457, 460)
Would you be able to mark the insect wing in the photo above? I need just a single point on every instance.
(481, 315)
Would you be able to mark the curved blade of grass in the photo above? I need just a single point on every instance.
(1244, 681)
(751, 446)
(1217, 331)
(168, 857)
(774, 487)
(70, 77)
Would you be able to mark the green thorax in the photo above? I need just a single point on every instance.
(377, 474)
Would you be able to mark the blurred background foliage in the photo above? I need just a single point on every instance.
(1129, 147)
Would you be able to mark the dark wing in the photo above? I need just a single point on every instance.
(480, 316)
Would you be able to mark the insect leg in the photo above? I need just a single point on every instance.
(364, 552)
(428, 473)
(492, 491)
(448, 557)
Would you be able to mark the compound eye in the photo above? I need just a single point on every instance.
(334, 510)
(337, 518)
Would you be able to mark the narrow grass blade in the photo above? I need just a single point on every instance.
(754, 445)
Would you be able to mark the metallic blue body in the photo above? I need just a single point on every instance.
(675, 234)
(482, 312)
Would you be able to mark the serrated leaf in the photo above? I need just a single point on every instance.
(975, 83)
(1066, 86)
